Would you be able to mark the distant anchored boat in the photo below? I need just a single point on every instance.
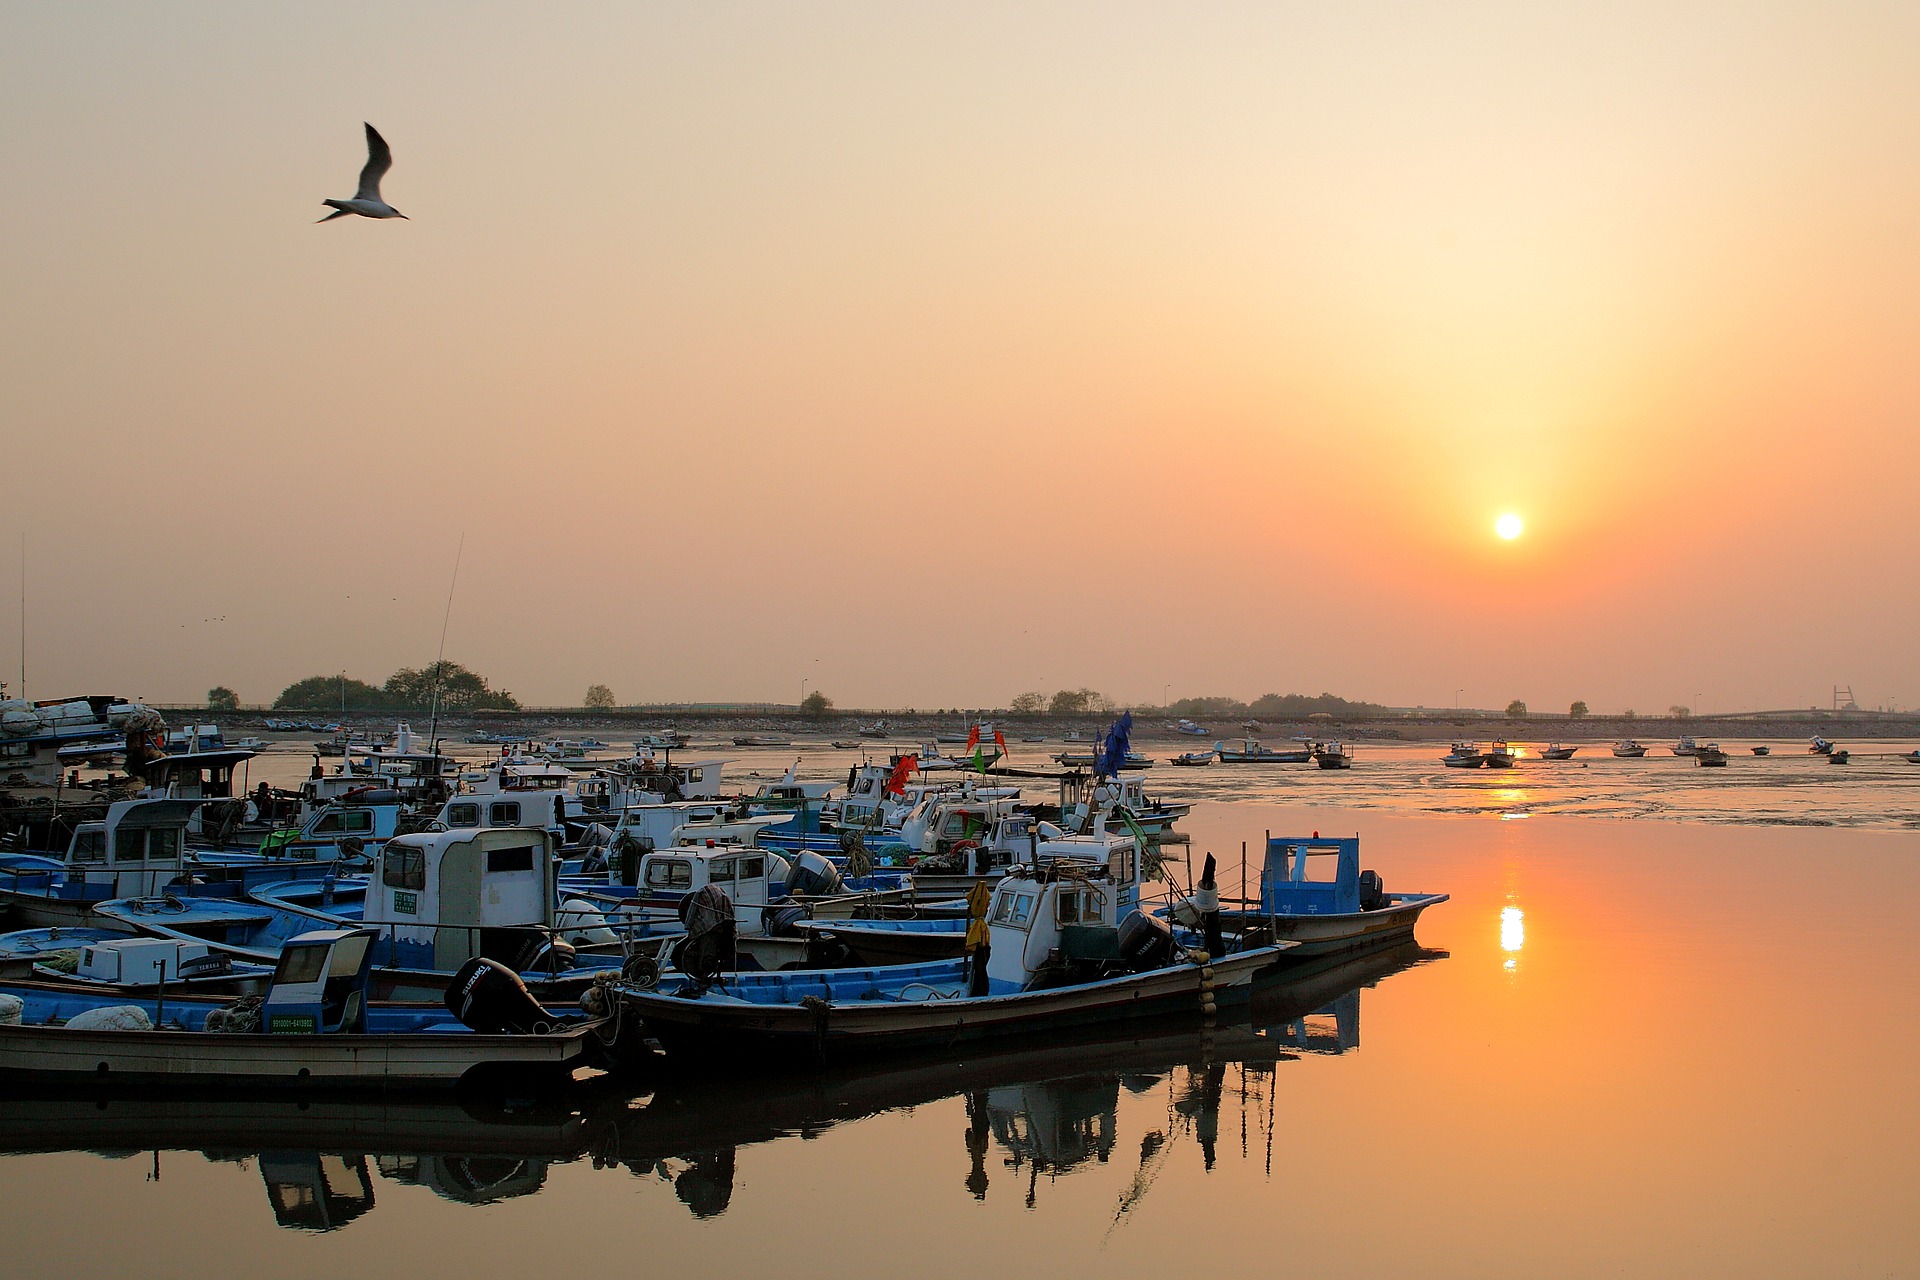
(1463, 755)
(1629, 750)
(1332, 755)
(1557, 752)
(1254, 751)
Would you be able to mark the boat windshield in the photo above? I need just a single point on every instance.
(301, 964)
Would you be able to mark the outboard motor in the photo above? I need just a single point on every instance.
(813, 875)
(627, 851)
(1146, 941)
(489, 998)
(780, 921)
(1373, 894)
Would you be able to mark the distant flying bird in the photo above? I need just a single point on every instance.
(366, 201)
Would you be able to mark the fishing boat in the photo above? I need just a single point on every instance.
(1301, 904)
(1058, 957)
(1192, 759)
(1629, 749)
(437, 899)
(1555, 751)
(32, 734)
(667, 739)
(314, 1028)
(1253, 751)
(1332, 755)
(1189, 728)
(138, 848)
(1710, 755)
(1499, 756)
(1838, 755)
(1686, 747)
(1912, 757)
(878, 729)
(762, 740)
(1766, 751)
(1088, 759)
(1820, 746)
(1463, 755)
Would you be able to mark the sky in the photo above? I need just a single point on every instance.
(930, 353)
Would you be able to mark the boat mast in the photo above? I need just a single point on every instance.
(433, 719)
(23, 613)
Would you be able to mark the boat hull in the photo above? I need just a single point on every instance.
(1320, 935)
(743, 1032)
(289, 1061)
(894, 946)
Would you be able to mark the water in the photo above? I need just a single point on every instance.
(1657, 1048)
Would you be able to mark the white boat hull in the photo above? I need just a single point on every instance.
(301, 1061)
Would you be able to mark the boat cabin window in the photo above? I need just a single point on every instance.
(1070, 906)
(504, 814)
(669, 873)
(300, 964)
(721, 871)
(1015, 909)
(1120, 865)
(88, 846)
(515, 859)
(463, 815)
(403, 867)
(1322, 865)
(752, 868)
(344, 820)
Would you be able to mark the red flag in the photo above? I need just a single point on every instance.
(973, 738)
(1000, 742)
(902, 770)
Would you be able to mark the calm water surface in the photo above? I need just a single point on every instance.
(1654, 1048)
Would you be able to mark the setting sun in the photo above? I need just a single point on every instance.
(1509, 526)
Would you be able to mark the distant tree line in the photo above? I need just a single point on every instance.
(1275, 706)
(1067, 702)
(407, 689)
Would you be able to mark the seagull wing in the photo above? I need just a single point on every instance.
(379, 160)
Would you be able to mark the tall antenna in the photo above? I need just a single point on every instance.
(23, 613)
(433, 720)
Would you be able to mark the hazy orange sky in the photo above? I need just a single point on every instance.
(931, 353)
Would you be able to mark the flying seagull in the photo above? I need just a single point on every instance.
(366, 201)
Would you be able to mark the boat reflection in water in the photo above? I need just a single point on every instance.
(1041, 1106)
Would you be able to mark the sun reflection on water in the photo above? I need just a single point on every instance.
(1513, 935)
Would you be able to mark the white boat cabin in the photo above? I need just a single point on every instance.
(456, 893)
(943, 820)
(137, 851)
(1037, 918)
(752, 878)
(660, 826)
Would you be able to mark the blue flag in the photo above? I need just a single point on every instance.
(1113, 751)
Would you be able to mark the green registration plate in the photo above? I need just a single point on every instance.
(407, 904)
